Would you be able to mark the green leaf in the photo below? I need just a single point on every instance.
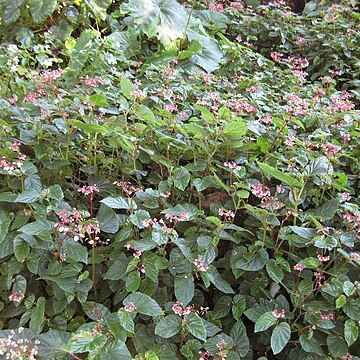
(21, 248)
(306, 233)
(274, 271)
(265, 321)
(133, 280)
(55, 192)
(98, 99)
(181, 178)
(37, 319)
(168, 326)
(85, 341)
(117, 270)
(28, 197)
(12, 11)
(184, 288)
(40, 10)
(115, 350)
(53, 344)
(327, 210)
(351, 331)
(349, 288)
(253, 262)
(277, 174)
(127, 88)
(337, 346)
(108, 221)
(311, 345)
(240, 338)
(222, 307)
(280, 337)
(76, 252)
(144, 304)
(318, 166)
(235, 129)
(238, 307)
(95, 311)
(119, 202)
(195, 325)
(126, 320)
(138, 217)
(166, 18)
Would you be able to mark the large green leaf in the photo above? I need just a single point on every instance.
(168, 326)
(277, 174)
(115, 350)
(40, 10)
(184, 288)
(164, 18)
(144, 304)
(119, 202)
(240, 338)
(195, 325)
(53, 344)
(280, 337)
(265, 321)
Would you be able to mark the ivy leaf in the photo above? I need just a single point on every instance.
(98, 99)
(108, 221)
(144, 304)
(40, 10)
(196, 326)
(168, 326)
(184, 288)
(265, 321)
(280, 337)
(253, 262)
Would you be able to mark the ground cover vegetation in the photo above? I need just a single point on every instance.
(178, 180)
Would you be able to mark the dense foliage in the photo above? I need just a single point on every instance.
(178, 181)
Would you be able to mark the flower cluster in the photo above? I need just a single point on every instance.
(16, 347)
(13, 166)
(137, 252)
(184, 216)
(153, 222)
(299, 267)
(227, 215)
(279, 314)
(260, 191)
(92, 82)
(130, 307)
(200, 265)
(231, 165)
(127, 188)
(178, 309)
(16, 296)
(88, 189)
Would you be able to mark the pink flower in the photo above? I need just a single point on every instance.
(175, 218)
(345, 196)
(354, 256)
(329, 316)
(278, 314)
(221, 345)
(299, 267)
(331, 149)
(231, 165)
(199, 263)
(323, 258)
(88, 189)
(17, 296)
(130, 308)
(228, 215)
(260, 190)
